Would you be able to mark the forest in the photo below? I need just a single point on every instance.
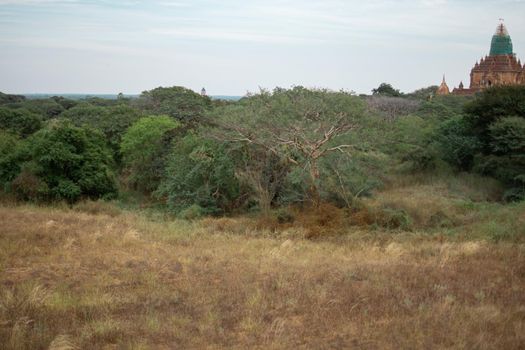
(189, 156)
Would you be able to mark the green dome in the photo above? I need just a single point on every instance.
(501, 43)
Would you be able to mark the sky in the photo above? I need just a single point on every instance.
(231, 47)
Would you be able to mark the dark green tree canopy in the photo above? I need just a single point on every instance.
(7, 98)
(177, 102)
(386, 89)
(65, 162)
(200, 172)
(19, 121)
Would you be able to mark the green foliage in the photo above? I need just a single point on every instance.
(9, 167)
(199, 172)
(411, 143)
(111, 121)
(19, 121)
(177, 102)
(443, 107)
(299, 126)
(47, 108)
(496, 120)
(347, 178)
(458, 147)
(424, 93)
(64, 162)
(86, 114)
(144, 147)
(7, 98)
(386, 89)
(192, 212)
(490, 106)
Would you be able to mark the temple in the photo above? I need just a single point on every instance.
(443, 88)
(500, 67)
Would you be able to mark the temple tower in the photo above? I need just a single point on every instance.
(443, 88)
(500, 67)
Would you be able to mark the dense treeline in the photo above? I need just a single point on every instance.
(175, 148)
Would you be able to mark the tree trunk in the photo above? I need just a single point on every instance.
(314, 189)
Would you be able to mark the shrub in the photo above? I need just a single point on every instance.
(284, 216)
(192, 212)
(72, 162)
(199, 172)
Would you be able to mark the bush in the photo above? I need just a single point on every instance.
(284, 216)
(64, 162)
(9, 166)
(192, 212)
(392, 218)
(456, 144)
(199, 172)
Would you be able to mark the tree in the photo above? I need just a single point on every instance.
(65, 162)
(177, 102)
(386, 89)
(111, 121)
(19, 121)
(144, 149)
(490, 138)
(458, 146)
(493, 104)
(262, 171)
(199, 172)
(9, 166)
(507, 159)
(8, 99)
(47, 108)
(424, 93)
(298, 126)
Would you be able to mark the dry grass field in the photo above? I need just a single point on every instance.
(82, 279)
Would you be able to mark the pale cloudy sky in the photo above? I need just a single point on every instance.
(230, 46)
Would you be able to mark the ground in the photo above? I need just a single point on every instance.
(74, 279)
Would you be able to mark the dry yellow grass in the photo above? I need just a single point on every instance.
(73, 280)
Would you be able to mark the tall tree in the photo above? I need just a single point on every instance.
(298, 126)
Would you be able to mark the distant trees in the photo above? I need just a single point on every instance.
(270, 149)
(111, 121)
(423, 93)
(19, 121)
(391, 107)
(177, 102)
(7, 98)
(386, 89)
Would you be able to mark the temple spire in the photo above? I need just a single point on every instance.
(501, 43)
(443, 88)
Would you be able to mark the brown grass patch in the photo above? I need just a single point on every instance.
(76, 280)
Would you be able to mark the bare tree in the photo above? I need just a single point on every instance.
(391, 107)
